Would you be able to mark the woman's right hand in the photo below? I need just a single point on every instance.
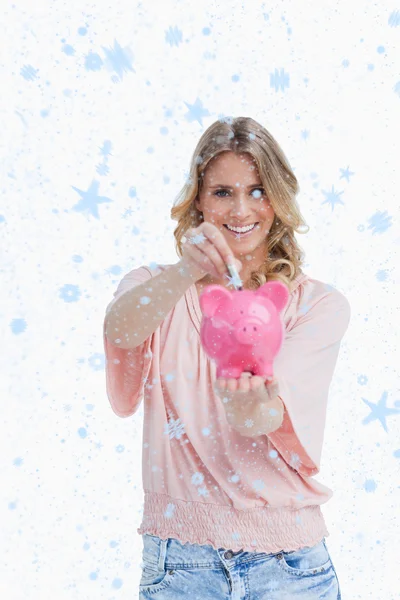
(208, 255)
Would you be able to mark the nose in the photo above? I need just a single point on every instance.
(241, 206)
(248, 331)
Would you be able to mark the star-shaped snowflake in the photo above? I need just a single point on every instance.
(379, 411)
(332, 197)
(196, 112)
(346, 173)
(90, 199)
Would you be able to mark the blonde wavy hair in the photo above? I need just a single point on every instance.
(283, 255)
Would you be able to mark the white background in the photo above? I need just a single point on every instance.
(73, 118)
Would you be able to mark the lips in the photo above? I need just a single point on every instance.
(241, 226)
(241, 235)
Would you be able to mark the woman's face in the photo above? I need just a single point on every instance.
(232, 194)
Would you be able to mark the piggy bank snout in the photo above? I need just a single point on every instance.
(248, 331)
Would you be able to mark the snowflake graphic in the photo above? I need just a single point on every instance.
(173, 36)
(294, 460)
(96, 361)
(102, 169)
(70, 293)
(197, 478)
(174, 428)
(18, 326)
(380, 222)
(119, 60)
(169, 511)
(196, 112)
(382, 275)
(346, 173)
(197, 239)
(379, 411)
(105, 150)
(28, 72)
(332, 197)
(258, 484)
(394, 19)
(279, 80)
(93, 62)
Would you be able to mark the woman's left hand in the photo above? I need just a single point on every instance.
(248, 402)
(246, 383)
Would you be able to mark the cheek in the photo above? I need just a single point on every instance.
(267, 211)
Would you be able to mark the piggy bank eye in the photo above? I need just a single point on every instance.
(241, 312)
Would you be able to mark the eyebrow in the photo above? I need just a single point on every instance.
(220, 185)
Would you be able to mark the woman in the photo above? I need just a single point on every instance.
(231, 507)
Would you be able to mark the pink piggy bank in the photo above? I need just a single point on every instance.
(242, 329)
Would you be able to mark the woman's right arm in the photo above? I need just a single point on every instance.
(140, 310)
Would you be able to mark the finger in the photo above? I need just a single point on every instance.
(271, 381)
(217, 238)
(273, 389)
(203, 238)
(203, 260)
(221, 383)
(221, 253)
(256, 383)
(232, 385)
(194, 246)
(244, 384)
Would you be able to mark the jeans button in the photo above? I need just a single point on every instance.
(279, 556)
(228, 554)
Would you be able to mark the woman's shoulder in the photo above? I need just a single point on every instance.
(306, 284)
(154, 268)
(307, 291)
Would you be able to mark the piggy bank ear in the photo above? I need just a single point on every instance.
(275, 291)
(212, 297)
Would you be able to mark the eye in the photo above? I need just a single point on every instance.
(261, 191)
(219, 191)
(252, 191)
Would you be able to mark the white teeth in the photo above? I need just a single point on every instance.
(241, 229)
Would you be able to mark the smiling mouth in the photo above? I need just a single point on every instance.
(241, 233)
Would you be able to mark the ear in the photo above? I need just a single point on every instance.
(212, 297)
(275, 291)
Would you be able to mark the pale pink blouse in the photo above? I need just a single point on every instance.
(204, 482)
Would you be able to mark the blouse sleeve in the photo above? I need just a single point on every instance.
(127, 369)
(304, 369)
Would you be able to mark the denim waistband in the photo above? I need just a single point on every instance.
(172, 554)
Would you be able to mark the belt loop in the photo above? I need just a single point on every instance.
(162, 554)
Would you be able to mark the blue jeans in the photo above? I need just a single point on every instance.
(175, 571)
